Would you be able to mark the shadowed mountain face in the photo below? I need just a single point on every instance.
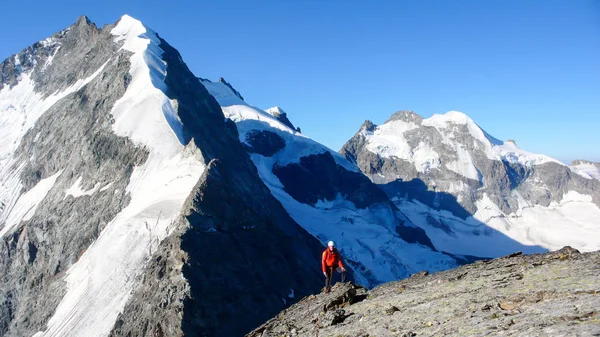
(476, 195)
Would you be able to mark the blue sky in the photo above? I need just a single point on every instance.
(524, 70)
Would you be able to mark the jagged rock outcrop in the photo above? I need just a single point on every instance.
(552, 294)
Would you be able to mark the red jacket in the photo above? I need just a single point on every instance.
(331, 259)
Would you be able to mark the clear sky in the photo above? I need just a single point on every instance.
(524, 70)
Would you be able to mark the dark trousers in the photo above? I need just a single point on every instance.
(329, 271)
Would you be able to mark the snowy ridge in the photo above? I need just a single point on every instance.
(365, 236)
(101, 281)
(275, 110)
(249, 118)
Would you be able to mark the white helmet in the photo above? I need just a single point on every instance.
(330, 244)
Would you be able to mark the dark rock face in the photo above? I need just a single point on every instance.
(579, 161)
(524, 295)
(559, 180)
(355, 145)
(259, 254)
(403, 115)
(264, 142)
(319, 177)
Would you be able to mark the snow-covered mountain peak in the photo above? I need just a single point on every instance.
(453, 117)
(222, 91)
(401, 135)
(161, 128)
(276, 110)
(134, 33)
(127, 22)
(282, 116)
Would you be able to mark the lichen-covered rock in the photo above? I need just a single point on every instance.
(552, 294)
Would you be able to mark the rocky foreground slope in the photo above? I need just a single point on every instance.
(552, 294)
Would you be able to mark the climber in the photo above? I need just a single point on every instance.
(331, 261)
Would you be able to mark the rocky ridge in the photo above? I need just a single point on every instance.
(551, 294)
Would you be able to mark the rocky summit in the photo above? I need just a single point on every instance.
(551, 294)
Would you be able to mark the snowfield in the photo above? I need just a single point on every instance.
(587, 170)
(491, 233)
